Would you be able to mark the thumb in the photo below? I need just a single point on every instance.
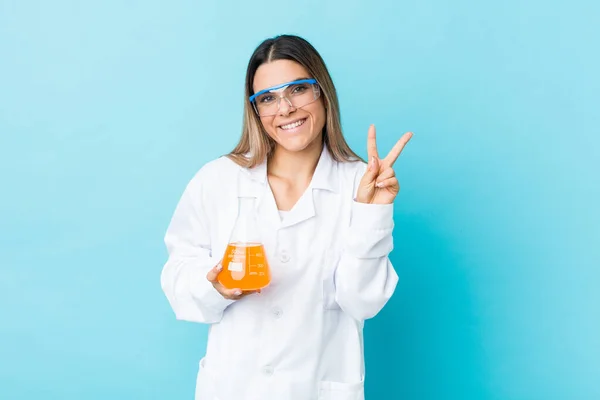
(366, 187)
(213, 274)
(372, 171)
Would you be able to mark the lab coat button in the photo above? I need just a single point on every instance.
(277, 312)
(284, 257)
(268, 370)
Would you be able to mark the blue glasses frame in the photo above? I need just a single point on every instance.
(253, 97)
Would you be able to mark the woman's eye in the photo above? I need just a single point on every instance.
(266, 99)
(299, 88)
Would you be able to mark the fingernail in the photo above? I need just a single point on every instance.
(379, 184)
(238, 292)
(219, 267)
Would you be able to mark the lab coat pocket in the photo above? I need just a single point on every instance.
(329, 390)
(332, 257)
(205, 386)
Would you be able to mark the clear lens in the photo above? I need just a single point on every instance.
(297, 95)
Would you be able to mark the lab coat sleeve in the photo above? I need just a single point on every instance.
(365, 278)
(183, 279)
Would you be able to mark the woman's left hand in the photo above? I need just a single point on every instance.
(379, 184)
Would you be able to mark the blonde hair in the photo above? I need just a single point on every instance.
(255, 144)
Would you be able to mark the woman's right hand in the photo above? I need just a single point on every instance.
(229, 294)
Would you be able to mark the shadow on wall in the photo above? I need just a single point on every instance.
(425, 343)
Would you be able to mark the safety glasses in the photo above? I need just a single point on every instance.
(298, 93)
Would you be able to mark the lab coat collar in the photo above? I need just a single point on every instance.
(324, 177)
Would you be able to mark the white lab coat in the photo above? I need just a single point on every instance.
(302, 337)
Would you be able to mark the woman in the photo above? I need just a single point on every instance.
(326, 222)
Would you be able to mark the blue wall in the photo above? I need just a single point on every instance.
(106, 111)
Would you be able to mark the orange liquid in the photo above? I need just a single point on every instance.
(245, 267)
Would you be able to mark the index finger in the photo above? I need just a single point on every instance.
(393, 155)
(236, 294)
(372, 143)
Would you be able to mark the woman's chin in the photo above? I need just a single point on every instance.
(297, 144)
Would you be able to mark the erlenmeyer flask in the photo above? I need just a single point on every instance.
(245, 264)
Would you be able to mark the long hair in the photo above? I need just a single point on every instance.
(255, 144)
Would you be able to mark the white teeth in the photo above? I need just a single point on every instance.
(293, 125)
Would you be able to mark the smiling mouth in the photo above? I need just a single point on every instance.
(293, 124)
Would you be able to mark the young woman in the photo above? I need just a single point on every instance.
(326, 221)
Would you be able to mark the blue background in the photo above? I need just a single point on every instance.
(107, 110)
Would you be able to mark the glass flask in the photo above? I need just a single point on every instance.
(244, 263)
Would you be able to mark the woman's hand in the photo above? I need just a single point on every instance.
(229, 294)
(379, 184)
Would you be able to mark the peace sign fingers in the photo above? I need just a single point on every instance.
(378, 184)
(372, 144)
(393, 155)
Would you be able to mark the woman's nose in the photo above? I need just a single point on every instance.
(285, 106)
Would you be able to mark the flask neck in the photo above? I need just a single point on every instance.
(246, 229)
(246, 206)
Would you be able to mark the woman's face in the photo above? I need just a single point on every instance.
(294, 129)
